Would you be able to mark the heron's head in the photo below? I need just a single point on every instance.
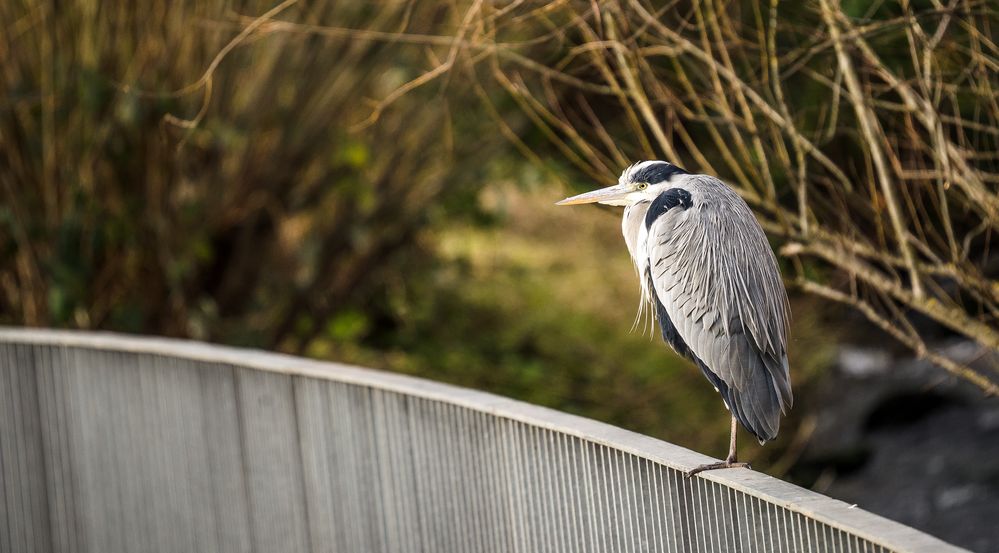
(642, 181)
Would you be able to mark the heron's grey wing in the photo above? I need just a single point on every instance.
(720, 293)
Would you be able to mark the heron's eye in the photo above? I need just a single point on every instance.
(642, 185)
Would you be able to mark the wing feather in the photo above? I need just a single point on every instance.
(716, 277)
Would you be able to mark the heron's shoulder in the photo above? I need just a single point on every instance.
(706, 185)
(711, 194)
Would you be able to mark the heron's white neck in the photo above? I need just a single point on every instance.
(635, 234)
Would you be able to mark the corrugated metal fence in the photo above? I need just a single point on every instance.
(118, 444)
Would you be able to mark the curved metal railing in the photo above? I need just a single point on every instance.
(111, 443)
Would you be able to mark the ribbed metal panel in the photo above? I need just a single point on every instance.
(112, 444)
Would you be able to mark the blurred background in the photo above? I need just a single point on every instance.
(372, 183)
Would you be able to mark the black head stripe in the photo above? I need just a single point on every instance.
(657, 172)
(674, 197)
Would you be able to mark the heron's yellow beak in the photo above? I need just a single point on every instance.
(611, 194)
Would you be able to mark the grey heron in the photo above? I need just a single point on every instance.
(711, 279)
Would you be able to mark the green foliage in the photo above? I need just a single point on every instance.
(134, 206)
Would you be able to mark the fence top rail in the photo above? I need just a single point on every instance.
(835, 513)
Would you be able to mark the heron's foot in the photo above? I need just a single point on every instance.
(728, 464)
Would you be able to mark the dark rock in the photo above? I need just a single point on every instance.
(901, 438)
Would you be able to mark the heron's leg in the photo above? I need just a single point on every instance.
(730, 462)
(732, 454)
